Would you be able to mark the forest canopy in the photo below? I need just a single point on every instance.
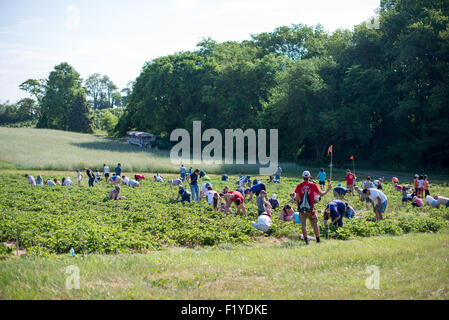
(381, 93)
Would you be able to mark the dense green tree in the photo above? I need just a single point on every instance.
(108, 122)
(64, 105)
(103, 91)
(79, 116)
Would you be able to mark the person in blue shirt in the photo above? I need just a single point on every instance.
(224, 177)
(183, 173)
(192, 179)
(335, 210)
(118, 170)
(321, 178)
(255, 190)
(340, 192)
(274, 202)
(242, 190)
(278, 173)
(190, 171)
(39, 181)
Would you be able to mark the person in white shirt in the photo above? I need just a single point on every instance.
(80, 177)
(209, 194)
(133, 183)
(125, 180)
(437, 201)
(50, 183)
(31, 180)
(378, 199)
(158, 178)
(263, 222)
(67, 182)
(106, 172)
(204, 188)
(97, 177)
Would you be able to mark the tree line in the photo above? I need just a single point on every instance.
(64, 102)
(380, 94)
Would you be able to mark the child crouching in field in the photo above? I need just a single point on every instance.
(405, 194)
(114, 194)
(97, 177)
(287, 213)
(184, 194)
(80, 177)
(417, 202)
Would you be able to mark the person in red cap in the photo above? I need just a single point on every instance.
(305, 195)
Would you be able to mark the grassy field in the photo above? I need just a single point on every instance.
(413, 266)
(50, 150)
(42, 149)
(57, 150)
(152, 247)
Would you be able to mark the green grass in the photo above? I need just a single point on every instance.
(413, 266)
(58, 150)
(42, 149)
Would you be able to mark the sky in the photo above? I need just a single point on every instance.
(116, 37)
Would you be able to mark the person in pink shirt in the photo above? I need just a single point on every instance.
(417, 202)
(350, 177)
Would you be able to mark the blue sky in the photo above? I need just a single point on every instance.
(117, 37)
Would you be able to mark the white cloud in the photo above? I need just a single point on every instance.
(186, 4)
(31, 21)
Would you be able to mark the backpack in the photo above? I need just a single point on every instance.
(305, 204)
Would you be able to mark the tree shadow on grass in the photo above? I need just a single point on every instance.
(117, 146)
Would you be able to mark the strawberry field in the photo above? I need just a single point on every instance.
(46, 220)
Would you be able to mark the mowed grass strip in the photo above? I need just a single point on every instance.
(413, 266)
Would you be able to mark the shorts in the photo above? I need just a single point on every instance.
(383, 207)
(278, 177)
(322, 183)
(350, 188)
(312, 218)
(106, 175)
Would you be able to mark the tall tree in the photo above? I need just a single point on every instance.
(62, 84)
(79, 116)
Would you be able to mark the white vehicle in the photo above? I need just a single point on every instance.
(141, 139)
